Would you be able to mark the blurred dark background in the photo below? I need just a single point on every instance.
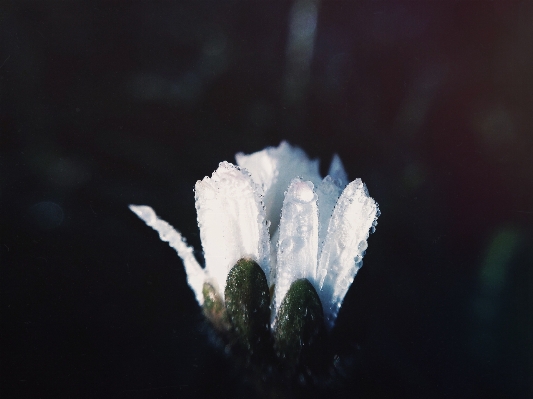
(104, 104)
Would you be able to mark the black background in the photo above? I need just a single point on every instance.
(105, 104)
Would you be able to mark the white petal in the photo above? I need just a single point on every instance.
(298, 239)
(195, 273)
(274, 256)
(328, 191)
(231, 217)
(354, 215)
(273, 169)
(336, 170)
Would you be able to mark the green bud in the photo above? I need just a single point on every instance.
(300, 329)
(248, 304)
(214, 308)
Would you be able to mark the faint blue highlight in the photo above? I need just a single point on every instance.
(302, 33)
(46, 215)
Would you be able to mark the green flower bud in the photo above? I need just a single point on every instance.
(248, 304)
(300, 331)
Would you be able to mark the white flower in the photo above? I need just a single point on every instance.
(276, 209)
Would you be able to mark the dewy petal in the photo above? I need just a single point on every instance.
(354, 215)
(195, 273)
(328, 192)
(273, 169)
(298, 239)
(231, 217)
(274, 256)
(336, 171)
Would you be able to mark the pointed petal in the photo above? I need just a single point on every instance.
(298, 239)
(195, 273)
(328, 191)
(273, 169)
(354, 215)
(231, 217)
(336, 170)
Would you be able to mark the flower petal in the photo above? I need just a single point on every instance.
(298, 239)
(231, 217)
(273, 169)
(355, 213)
(195, 273)
(336, 170)
(328, 191)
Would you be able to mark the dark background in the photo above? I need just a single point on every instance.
(104, 104)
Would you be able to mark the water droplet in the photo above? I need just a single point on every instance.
(302, 191)
(286, 245)
(302, 230)
(291, 245)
